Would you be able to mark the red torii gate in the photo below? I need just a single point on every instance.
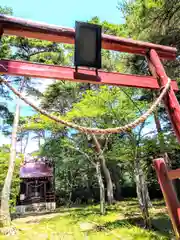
(153, 53)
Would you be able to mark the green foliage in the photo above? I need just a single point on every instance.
(110, 103)
(5, 52)
(60, 95)
(70, 165)
(6, 10)
(4, 161)
(5, 45)
(109, 28)
(5, 114)
(141, 17)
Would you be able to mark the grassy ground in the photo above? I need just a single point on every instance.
(122, 221)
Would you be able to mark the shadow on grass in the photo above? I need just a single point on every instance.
(160, 224)
(123, 223)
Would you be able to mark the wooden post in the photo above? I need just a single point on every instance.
(45, 190)
(26, 28)
(170, 100)
(169, 194)
(28, 69)
(27, 189)
(1, 31)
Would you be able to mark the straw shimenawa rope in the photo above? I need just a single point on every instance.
(96, 131)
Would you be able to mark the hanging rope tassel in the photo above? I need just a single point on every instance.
(96, 131)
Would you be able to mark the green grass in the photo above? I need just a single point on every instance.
(122, 221)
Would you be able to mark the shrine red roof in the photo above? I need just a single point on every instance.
(35, 170)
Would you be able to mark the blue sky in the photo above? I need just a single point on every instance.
(65, 12)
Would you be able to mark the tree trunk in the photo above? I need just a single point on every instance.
(39, 141)
(26, 143)
(159, 131)
(21, 143)
(5, 219)
(110, 195)
(101, 188)
(163, 152)
(142, 193)
(115, 177)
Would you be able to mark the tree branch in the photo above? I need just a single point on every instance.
(83, 153)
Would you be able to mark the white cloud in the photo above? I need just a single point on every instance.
(4, 140)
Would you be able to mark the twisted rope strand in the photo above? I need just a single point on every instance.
(96, 131)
